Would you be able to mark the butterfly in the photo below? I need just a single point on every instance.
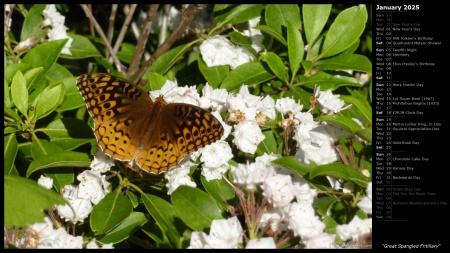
(129, 126)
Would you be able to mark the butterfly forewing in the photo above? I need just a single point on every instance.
(129, 125)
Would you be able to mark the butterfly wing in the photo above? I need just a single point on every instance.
(117, 106)
(180, 130)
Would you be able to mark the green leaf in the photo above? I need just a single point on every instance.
(30, 76)
(61, 176)
(278, 16)
(196, 208)
(220, 190)
(270, 31)
(329, 81)
(341, 121)
(214, 75)
(361, 103)
(49, 100)
(33, 21)
(268, 145)
(68, 128)
(168, 59)
(315, 16)
(10, 146)
(339, 170)
(25, 201)
(60, 159)
(365, 134)
(346, 62)
(241, 13)
(165, 217)
(248, 73)
(276, 65)
(296, 48)
(110, 212)
(19, 92)
(81, 47)
(72, 98)
(44, 55)
(40, 148)
(292, 163)
(127, 228)
(152, 230)
(346, 28)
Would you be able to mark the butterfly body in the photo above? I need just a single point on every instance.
(130, 126)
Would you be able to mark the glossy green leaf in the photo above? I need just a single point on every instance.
(49, 100)
(40, 148)
(33, 21)
(25, 201)
(220, 190)
(276, 65)
(315, 16)
(165, 216)
(296, 48)
(19, 92)
(329, 81)
(168, 59)
(278, 16)
(68, 127)
(361, 103)
(365, 134)
(125, 229)
(196, 208)
(268, 145)
(339, 170)
(246, 74)
(60, 159)
(10, 146)
(214, 75)
(241, 13)
(342, 122)
(346, 62)
(111, 211)
(270, 31)
(346, 28)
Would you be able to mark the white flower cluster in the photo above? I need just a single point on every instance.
(54, 19)
(45, 236)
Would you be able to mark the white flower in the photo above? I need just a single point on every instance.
(58, 31)
(286, 105)
(199, 240)
(255, 34)
(214, 98)
(267, 106)
(168, 91)
(274, 218)
(77, 209)
(251, 175)
(93, 186)
(215, 159)
(303, 192)
(46, 182)
(93, 244)
(223, 234)
(261, 243)
(303, 221)
(219, 51)
(59, 238)
(355, 229)
(179, 175)
(366, 203)
(278, 190)
(328, 102)
(324, 154)
(322, 241)
(102, 162)
(247, 136)
(226, 233)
